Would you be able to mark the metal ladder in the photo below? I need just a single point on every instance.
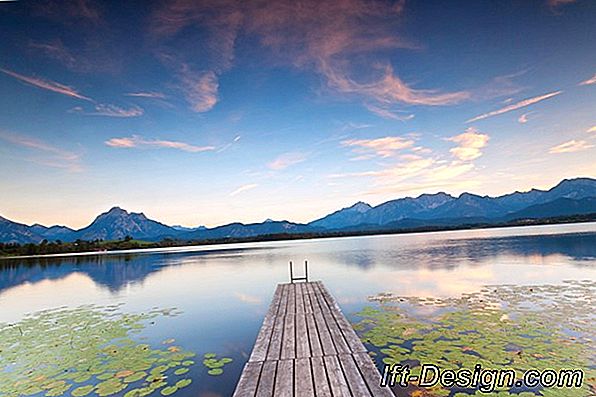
(292, 278)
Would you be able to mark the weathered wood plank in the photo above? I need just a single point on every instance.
(321, 382)
(299, 298)
(288, 344)
(354, 343)
(313, 335)
(356, 382)
(259, 352)
(291, 299)
(371, 376)
(302, 337)
(267, 379)
(247, 385)
(324, 335)
(337, 381)
(303, 385)
(274, 351)
(284, 381)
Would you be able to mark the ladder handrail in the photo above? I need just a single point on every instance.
(292, 278)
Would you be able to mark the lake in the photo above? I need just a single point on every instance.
(220, 293)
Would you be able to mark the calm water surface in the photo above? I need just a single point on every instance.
(224, 291)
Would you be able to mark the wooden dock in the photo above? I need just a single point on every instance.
(306, 347)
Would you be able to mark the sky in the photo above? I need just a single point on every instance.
(210, 112)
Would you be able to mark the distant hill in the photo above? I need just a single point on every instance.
(117, 224)
(570, 197)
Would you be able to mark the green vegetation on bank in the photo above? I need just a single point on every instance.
(128, 243)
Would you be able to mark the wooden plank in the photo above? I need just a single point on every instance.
(291, 299)
(304, 384)
(299, 298)
(288, 343)
(355, 380)
(267, 379)
(247, 385)
(284, 381)
(320, 380)
(336, 335)
(337, 381)
(354, 343)
(302, 337)
(371, 375)
(306, 295)
(274, 351)
(324, 335)
(259, 352)
(313, 335)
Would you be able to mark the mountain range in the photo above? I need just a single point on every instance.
(570, 197)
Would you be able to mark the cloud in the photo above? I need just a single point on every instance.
(158, 95)
(47, 85)
(110, 111)
(590, 81)
(243, 188)
(515, 106)
(56, 50)
(469, 143)
(383, 147)
(523, 119)
(345, 42)
(286, 160)
(137, 141)
(200, 89)
(591, 129)
(558, 3)
(570, 147)
(52, 156)
(388, 114)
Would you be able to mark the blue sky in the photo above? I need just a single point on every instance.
(203, 113)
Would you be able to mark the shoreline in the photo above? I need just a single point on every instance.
(165, 247)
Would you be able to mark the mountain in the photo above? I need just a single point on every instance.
(13, 232)
(53, 233)
(442, 208)
(569, 197)
(353, 215)
(240, 230)
(558, 207)
(118, 223)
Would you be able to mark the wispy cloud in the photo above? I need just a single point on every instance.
(148, 94)
(286, 160)
(591, 129)
(200, 88)
(109, 111)
(590, 81)
(469, 143)
(50, 155)
(571, 146)
(137, 141)
(388, 114)
(523, 119)
(243, 188)
(383, 147)
(47, 85)
(515, 106)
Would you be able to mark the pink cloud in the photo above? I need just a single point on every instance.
(110, 111)
(570, 147)
(382, 147)
(469, 143)
(47, 85)
(142, 94)
(51, 155)
(286, 160)
(515, 106)
(136, 141)
(200, 89)
(590, 81)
